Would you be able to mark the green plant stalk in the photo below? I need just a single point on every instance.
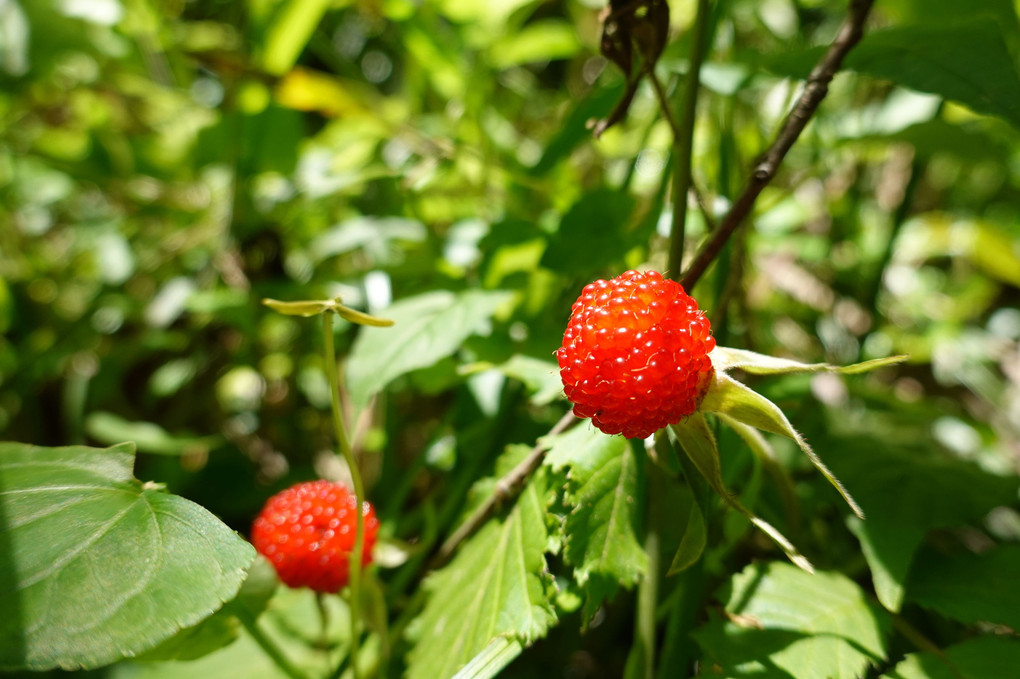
(359, 489)
(266, 644)
(648, 589)
(683, 141)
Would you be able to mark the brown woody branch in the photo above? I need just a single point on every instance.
(815, 89)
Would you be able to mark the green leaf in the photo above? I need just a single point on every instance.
(540, 377)
(293, 623)
(739, 402)
(491, 660)
(693, 542)
(906, 495)
(970, 588)
(289, 31)
(985, 657)
(428, 327)
(147, 436)
(592, 234)
(784, 622)
(309, 308)
(965, 61)
(497, 586)
(698, 442)
(541, 40)
(606, 493)
(97, 566)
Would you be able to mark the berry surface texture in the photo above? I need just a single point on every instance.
(635, 354)
(307, 532)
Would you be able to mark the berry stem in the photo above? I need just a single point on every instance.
(683, 136)
(333, 374)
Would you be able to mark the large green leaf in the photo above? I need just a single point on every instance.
(95, 565)
(987, 657)
(971, 588)
(905, 495)
(496, 586)
(426, 328)
(965, 61)
(784, 622)
(605, 493)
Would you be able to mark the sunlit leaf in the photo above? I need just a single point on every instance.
(427, 327)
(96, 565)
(495, 587)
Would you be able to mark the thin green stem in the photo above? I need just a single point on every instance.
(683, 140)
(266, 644)
(648, 589)
(344, 444)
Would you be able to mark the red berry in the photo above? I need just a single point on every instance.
(635, 354)
(307, 532)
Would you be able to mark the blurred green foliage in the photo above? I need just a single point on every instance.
(166, 164)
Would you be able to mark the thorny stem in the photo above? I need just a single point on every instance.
(815, 89)
(683, 136)
(344, 444)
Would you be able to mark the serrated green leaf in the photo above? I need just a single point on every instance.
(906, 495)
(727, 358)
(737, 401)
(784, 622)
(698, 442)
(970, 588)
(986, 657)
(495, 587)
(427, 328)
(693, 542)
(97, 566)
(580, 447)
(491, 660)
(606, 495)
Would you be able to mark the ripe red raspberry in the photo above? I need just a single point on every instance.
(635, 354)
(307, 532)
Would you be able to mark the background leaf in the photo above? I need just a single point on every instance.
(984, 657)
(98, 566)
(785, 622)
(971, 588)
(905, 495)
(426, 328)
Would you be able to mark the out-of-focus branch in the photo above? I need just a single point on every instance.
(815, 89)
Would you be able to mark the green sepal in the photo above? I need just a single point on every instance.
(692, 545)
(697, 440)
(741, 403)
(727, 358)
(307, 308)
